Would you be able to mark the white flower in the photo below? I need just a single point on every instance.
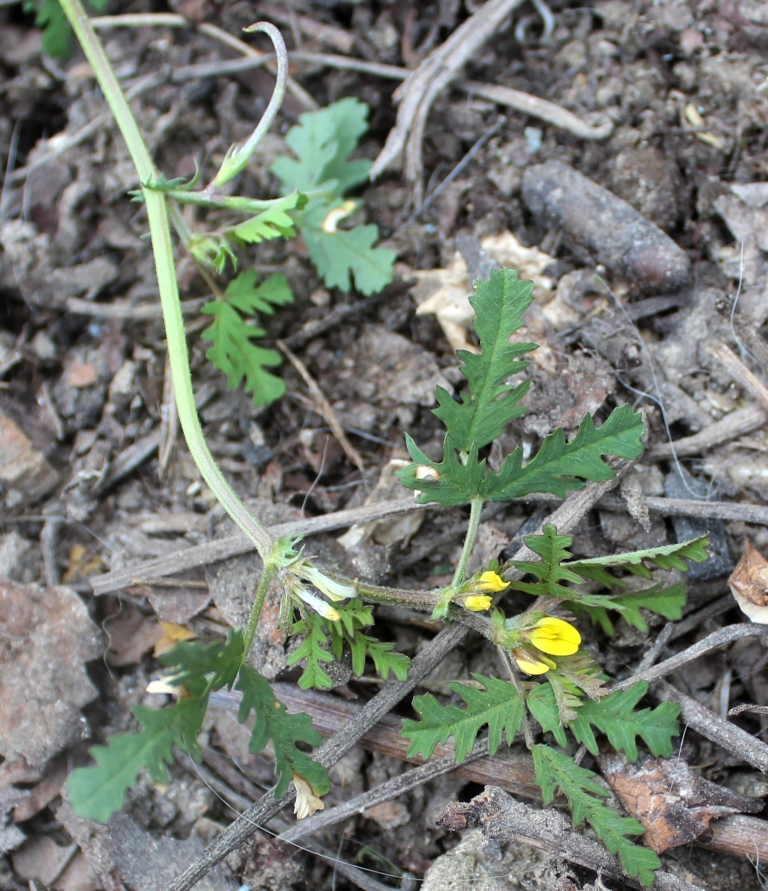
(332, 588)
(306, 800)
(317, 603)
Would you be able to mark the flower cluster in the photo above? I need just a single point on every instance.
(477, 596)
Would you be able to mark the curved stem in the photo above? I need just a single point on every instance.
(166, 279)
(237, 161)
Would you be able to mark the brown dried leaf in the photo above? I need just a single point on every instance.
(47, 637)
(674, 804)
(749, 584)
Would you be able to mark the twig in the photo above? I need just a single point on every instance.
(733, 425)
(425, 84)
(323, 407)
(720, 638)
(412, 779)
(740, 373)
(711, 726)
(502, 819)
(171, 20)
(234, 545)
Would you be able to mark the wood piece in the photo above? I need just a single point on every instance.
(726, 735)
(606, 225)
(732, 426)
(323, 407)
(715, 641)
(502, 819)
(417, 93)
(740, 373)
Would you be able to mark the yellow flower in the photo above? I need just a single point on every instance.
(531, 664)
(490, 582)
(477, 602)
(555, 637)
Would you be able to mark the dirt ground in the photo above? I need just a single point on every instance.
(668, 104)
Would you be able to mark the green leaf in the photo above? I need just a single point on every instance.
(98, 791)
(490, 402)
(322, 141)
(272, 722)
(313, 649)
(560, 466)
(667, 602)
(341, 254)
(615, 716)
(233, 350)
(57, 33)
(542, 705)
(666, 557)
(556, 770)
(203, 667)
(551, 571)
(385, 659)
(274, 222)
(498, 705)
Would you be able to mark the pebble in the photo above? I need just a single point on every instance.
(609, 228)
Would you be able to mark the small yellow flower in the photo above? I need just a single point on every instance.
(555, 637)
(478, 602)
(531, 664)
(306, 801)
(490, 582)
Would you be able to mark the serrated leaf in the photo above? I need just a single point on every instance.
(551, 571)
(340, 255)
(556, 770)
(272, 722)
(615, 716)
(560, 466)
(666, 557)
(542, 705)
(233, 350)
(322, 141)
(98, 791)
(498, 705)
(274, 222)
(385, 659)
(203, 667)
(313, 649)
(490, 402)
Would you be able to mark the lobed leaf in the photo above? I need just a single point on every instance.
(323, 141)
(615, 716)
(498, 705)
(490, 402)
(273, 722)
(233, 350)
(557, 770)
(560, 466)
(340, 255)
(98, 791)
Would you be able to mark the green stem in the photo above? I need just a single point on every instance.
(258, 602)
(166, 278)
(476, 507)
(237, 161)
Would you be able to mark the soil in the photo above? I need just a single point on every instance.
(95, 476)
